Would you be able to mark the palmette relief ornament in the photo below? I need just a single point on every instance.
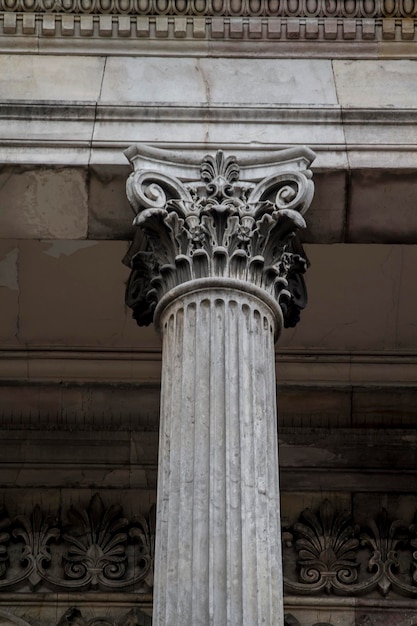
(218, 220)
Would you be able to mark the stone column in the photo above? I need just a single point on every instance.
(219, 270)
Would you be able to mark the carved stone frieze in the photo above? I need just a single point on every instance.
(139, 25)
(327, 552)
(97, 548)
(229, 8)
(137, 33)
(219, 221)
(92, 548)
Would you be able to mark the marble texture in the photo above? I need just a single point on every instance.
(218, 532)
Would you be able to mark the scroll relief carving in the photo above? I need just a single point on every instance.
(228, 222)
(93, 548)
(327, 552)
(97, 548)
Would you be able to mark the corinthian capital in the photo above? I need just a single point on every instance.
(218, 219)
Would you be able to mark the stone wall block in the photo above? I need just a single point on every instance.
(43, 203)
(9, 24)
(49, 77)
(109, 213)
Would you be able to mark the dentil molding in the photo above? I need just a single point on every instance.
(270, 27)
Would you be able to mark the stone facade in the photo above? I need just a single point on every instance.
(80, 381)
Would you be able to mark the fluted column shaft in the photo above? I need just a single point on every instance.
(218, 558)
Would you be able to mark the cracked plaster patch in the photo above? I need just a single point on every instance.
(67, 248)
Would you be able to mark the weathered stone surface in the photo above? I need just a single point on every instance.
(218, 81)
(387, 407)
(382, 207)
(49, 77)
(218, 545)
(301, 407)
(220, 274)
(109, 213)
(86, 407)
(387, 83)
(9, 293)
(327, 213)
(43, 203)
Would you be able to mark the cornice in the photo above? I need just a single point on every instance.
(115, 31)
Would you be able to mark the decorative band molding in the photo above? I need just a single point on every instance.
(223, 8)
(91, 548)
(144, 367)
(327, 552)
(129, 25)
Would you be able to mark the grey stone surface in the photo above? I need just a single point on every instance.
(218, 538)
(43, 203)
(50, 77)
(109, 213)
(384, 83)
(382, 206)
(218, 81)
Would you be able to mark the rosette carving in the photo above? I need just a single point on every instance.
(221, 225)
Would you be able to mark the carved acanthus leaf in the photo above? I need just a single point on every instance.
(96, 548)
(219, 226)
(337, 556)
